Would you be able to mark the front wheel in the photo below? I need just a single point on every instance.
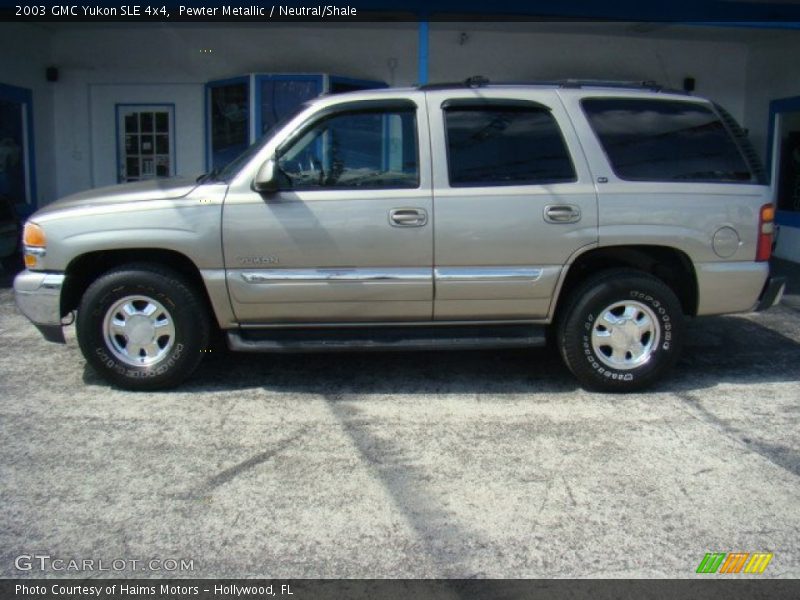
(621, 331)
(142, 327)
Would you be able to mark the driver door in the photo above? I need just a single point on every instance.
(348, 235)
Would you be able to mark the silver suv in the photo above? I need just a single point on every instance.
(600, 216)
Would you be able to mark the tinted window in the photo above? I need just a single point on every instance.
(364, 149)
(660, 140)
(505, 145)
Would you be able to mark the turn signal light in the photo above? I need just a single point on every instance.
(766, 227)
(33, 236)
(33, 244)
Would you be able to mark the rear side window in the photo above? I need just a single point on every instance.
(505, 145)
(662, 140)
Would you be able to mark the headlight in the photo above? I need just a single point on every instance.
(34, 244)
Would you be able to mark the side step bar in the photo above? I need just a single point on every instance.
(441, 337)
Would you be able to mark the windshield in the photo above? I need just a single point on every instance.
(229, 170)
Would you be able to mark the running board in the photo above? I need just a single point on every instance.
(441, 337)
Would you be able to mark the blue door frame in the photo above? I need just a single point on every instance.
(259, 77)
(255, 124)
(24, 97)
(785, 218)
(207, 109)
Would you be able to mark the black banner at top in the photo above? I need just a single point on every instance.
(778, 13)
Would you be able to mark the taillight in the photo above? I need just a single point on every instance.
(766, 227)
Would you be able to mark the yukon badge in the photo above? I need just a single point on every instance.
(258, 260)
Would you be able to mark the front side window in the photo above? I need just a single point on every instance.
(665, 140)
(505, 145)
(360, 149)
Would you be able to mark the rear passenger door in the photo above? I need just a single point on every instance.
(513, 201)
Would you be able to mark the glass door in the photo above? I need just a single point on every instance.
(228, 120)
(787, 175)
(146, 144)
(16, 152)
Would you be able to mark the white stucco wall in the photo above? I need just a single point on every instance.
(105, 64)
(718, 67)
(102, 66)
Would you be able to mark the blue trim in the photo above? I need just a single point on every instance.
(24, 96)
(173, 139)
(117, 140)
(787, 218)
(206, 126)
(422, 67)
(207, 105)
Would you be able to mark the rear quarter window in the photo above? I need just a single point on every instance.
(663, 140)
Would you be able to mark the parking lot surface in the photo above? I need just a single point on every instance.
(458, 464)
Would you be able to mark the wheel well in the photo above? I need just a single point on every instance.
(671, 266)
(85, 269)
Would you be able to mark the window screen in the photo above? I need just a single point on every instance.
(359, 149)
(505, 145)
(662, 140)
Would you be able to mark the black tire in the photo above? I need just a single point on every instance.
(600, 367)
(184, 308)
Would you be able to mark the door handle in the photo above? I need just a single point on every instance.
(408, 217)
(562, 213)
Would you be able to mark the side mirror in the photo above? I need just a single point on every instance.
(266, 181)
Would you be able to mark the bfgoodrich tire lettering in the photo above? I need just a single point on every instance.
(621, 331)
(139, 290)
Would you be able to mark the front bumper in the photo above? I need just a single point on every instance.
(772, 293)
(38, 297)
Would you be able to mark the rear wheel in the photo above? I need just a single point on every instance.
(621, 331)
(142, 327)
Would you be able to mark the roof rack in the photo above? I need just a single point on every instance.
(478, 81)
(475, 81)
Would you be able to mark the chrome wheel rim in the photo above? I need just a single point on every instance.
(139, 331)
(625, 335)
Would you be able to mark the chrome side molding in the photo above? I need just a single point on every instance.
(517, 273)
(336, 274)
(487, 273)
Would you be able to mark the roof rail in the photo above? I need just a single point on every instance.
(470, 82)
(646, 84)
(479, 81)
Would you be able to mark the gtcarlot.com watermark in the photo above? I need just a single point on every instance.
(47, 563)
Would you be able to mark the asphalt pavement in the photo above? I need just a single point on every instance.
(440, 464)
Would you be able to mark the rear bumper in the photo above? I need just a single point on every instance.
(772, 293)
(38, 297)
